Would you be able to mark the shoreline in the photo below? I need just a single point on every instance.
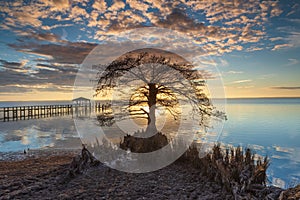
(39, 175)
(12, 156)
(43, 177)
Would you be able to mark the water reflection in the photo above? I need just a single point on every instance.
(271, 129)
(39, 133)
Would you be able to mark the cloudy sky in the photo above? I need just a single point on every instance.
(254, 44)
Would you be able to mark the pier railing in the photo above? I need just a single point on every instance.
(15, 113)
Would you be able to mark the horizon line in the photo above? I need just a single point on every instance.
(211, 98)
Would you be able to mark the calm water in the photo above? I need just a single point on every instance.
(269, 126)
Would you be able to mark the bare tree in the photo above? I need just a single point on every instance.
(163, 79)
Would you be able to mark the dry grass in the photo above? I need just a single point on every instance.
(235, 169)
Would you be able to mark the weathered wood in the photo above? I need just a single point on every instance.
(34, 112)
(80, 163)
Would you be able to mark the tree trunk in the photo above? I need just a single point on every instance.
(151, 128)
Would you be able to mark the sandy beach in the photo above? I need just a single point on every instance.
(43, 177)
(45, 174)
(205, 92)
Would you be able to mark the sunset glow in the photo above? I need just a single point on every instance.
(254, 44)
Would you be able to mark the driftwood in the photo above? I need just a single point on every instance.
(82, 162)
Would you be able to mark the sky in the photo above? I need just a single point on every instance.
(254, 44)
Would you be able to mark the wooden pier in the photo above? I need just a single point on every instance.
(42, 111)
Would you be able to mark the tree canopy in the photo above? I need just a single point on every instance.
(158, 78)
